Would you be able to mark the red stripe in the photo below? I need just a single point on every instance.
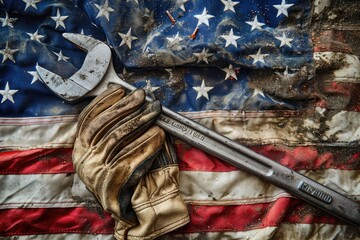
(311, 157)
(202, 218)
(296, 158)
(54, 220)
(331, 41)
(41, 161)
(193, 159)
(253, 216)
(36, 161)
(340, 96)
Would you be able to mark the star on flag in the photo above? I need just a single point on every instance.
(258, 92)
(203, 55)
(255, 24)
(285, 75)
(203, 18)
(7, 93)
(35, 36)
(282, 8)
(59, 19)
(149, 89)
(284, 40)
(127, 38)
(8, 21)
(229, 5)
(258, 57)
(31, 3)
(35, 75)
(61, 57)
(181, 4)
(230, 38)
(104, 10)
(174, 42)
(230, 72)
(8, 53)
(202, 90)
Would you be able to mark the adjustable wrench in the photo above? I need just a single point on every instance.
(98, 70)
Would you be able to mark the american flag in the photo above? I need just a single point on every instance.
(281, 77)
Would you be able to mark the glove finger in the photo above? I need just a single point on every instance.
(113, 124)
(148, 143)
(106, 99)
(104, 121)
(129, 129)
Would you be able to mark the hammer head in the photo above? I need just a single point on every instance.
(93, 70)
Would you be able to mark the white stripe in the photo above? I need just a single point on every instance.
(343, 126)
(319, 6)
(70, 236)
(349, 71)
(285, 231)
(238, 187)
(44, 191)
(227, 188)
(346, 182)
(242, 114)
(257, 234)
(37, 132)
(316, 232)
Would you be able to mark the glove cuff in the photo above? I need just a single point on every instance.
(158, 205)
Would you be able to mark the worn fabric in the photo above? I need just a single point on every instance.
(281, 77)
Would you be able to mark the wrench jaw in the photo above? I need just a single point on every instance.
(64, 88)
(87, 78)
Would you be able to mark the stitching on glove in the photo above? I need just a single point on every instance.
(152, 203)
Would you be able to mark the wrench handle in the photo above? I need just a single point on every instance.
(243, 158)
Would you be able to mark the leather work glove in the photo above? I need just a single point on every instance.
(125, 161)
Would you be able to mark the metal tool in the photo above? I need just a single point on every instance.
(99, 61)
